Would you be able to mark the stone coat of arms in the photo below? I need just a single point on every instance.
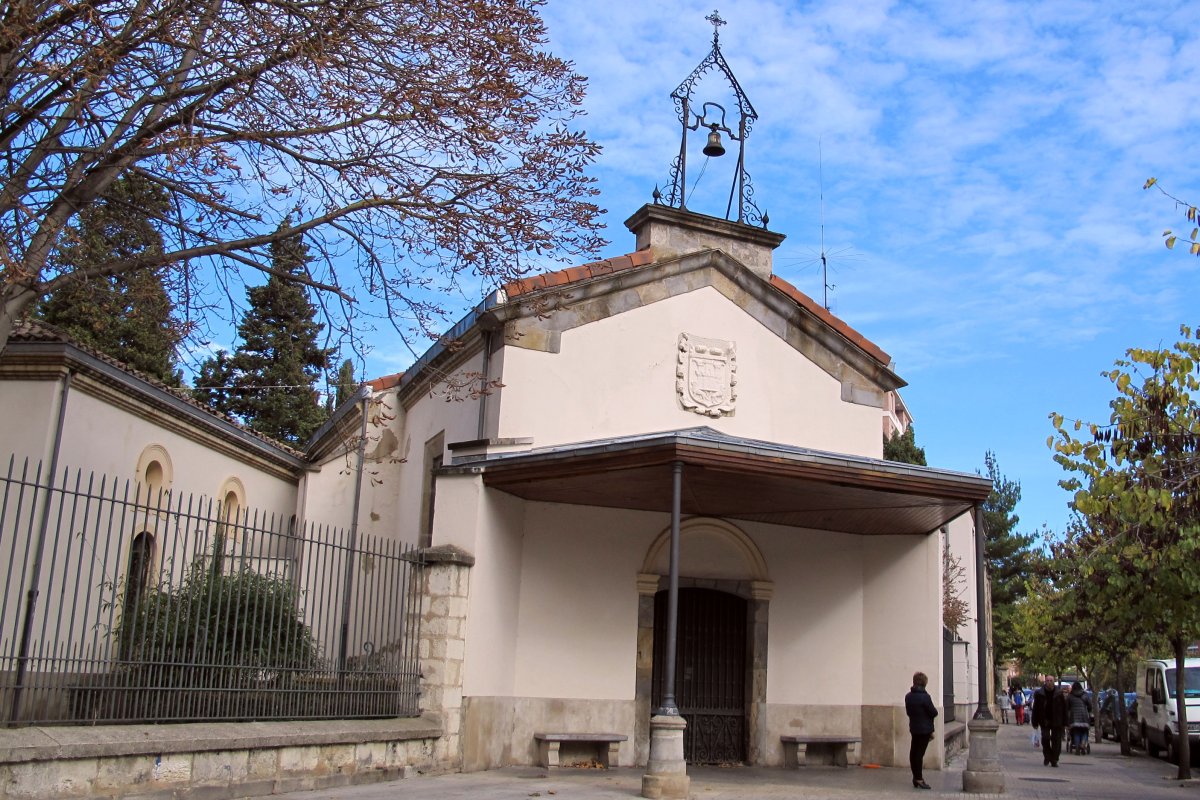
(706, 375)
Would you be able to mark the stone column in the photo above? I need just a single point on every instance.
(666, 771)
(445, 582)
(983, 775)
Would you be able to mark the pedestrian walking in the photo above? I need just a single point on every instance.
(1005, 702)
(921, 713)
(1018, 699)
(1079, 719)
(1050, 715)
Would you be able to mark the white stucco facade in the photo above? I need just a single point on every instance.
(542, 448)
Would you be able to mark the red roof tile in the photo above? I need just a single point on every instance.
(386, 382)
(641, 258)
(822, 313)
(563, 277)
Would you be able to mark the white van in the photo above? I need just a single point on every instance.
(1156, 687)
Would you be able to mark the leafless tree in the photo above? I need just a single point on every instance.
(413, 142)
(955, 611)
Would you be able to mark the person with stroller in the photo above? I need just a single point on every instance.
(1079, 718)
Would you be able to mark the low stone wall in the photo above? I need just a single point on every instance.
(213, 760)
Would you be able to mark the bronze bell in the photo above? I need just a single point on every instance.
(714, 147)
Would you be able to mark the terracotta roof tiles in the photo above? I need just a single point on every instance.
(595, 269)
(822, 313)
(563, 277)
(385, 382)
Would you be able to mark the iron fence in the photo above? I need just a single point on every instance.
(126, 605)
(948, 640)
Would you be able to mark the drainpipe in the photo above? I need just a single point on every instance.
(669, 706)
(364, 396)
(35, 573)
(481, 428)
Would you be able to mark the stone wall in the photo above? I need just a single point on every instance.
(211, 760)
(198, 761)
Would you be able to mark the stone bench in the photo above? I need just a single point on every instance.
(600, 748)
(801, 751)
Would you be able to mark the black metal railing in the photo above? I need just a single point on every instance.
(948, 640)
(123, 604)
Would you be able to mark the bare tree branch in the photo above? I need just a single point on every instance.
(410, 142)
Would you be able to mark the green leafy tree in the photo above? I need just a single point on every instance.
(127, 315)
(1079, 612)
(903, 447)
(1008, 555)
(278, 361)
(1138, 476)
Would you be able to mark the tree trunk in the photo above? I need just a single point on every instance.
(1183, 749)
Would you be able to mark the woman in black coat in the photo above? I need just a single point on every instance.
(921, 713)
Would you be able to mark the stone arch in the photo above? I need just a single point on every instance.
(702, 542)
(714, 554)
(231, 508)
(155, 474)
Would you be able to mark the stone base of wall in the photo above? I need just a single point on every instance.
(884, 732)
(199, 761)
(498, 731)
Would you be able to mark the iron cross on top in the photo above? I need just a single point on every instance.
(717, 22)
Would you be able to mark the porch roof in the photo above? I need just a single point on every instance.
(736, 478)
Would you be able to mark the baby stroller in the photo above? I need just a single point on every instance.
(1080, 743)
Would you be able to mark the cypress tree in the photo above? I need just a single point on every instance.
(214, 383)
(128, 316)
(346, 384)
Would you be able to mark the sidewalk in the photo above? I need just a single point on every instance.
(1105, 774)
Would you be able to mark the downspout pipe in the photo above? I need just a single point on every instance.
(364, 397)
(982, 710)
(35, 572)
(484, 391)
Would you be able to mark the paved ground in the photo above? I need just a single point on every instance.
(1103, 775)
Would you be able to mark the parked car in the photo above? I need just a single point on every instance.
(1108, 723)
(1156, 688)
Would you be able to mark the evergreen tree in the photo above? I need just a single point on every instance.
(346, 384)
(903, 447)
(277, 362)
(127, 316)
(1008, 556)
(214, 383)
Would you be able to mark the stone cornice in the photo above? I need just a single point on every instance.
(537, 321)
(50, 361)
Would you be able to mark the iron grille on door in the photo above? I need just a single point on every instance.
(710, 672)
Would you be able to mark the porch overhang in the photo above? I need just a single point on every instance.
(736, 478)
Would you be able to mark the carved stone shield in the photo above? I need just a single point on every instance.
(706, 375)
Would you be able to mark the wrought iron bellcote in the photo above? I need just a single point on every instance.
(713, 116)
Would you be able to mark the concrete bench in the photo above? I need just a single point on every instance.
(801, 751)
(558, 749)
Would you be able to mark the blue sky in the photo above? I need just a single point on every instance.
(982, 166)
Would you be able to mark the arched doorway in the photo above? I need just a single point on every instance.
(719, 557)
(710, 672)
